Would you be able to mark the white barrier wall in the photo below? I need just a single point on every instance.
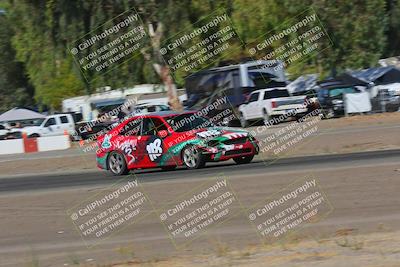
(14, 146)
(53, 143)
(356, 103)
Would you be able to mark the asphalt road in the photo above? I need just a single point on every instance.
(100, 177)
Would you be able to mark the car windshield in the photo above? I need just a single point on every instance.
(187, 122)
(37, 122)
(338, 92)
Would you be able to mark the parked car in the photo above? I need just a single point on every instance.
(91, 130)
(168, 139)
(146, 108)
(331, 99)
(52, 125)
(7, 133)
(386, 100)
(267, 103)
(3, 132)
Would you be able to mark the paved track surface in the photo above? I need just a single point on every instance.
(48, 181)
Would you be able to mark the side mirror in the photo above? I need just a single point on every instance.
(162, 133)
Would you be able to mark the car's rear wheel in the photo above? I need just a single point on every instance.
(192, 158)
(266, 118)
(243, 122)
(243, 160)
(35, 135)
(117, 164)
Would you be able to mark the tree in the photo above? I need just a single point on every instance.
(15, 89)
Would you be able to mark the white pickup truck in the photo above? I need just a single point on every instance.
(272, 102)
(52, 125)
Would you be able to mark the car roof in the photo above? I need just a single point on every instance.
(148, 104)
(270, 89)
(166, 113)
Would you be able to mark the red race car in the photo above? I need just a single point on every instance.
(167, 140)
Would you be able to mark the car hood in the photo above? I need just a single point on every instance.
(30, 129)
(220, 132)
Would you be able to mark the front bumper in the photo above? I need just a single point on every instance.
(226, 152)
(292, 112)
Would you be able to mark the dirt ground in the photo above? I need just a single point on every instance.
(341, 135)
(346, 248)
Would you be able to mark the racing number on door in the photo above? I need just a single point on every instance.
(154, 149)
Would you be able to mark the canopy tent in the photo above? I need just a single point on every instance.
(303, 84)
(20, 114)
(344, 80)
(378, 76)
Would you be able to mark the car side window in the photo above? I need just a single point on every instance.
(64, 119)
(159, 124)
(254, 97)
(151, 109)
(162, 108)
(50, 122)
(148, 127)
(276, 94)
(132, 128)
(2, 127)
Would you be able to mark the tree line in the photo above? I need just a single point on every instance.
(37, 69)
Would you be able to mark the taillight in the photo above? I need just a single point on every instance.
(273, 103)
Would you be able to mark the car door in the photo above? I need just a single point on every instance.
(167, 140)
(66, 124)
(259, 106)
(50, 127)
(152, 145)
(252, 105)
(128, 141)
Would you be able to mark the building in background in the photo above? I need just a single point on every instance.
(105, 99)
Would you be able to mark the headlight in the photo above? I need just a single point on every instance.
(337, 101)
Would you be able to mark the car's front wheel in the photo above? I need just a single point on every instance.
(192, 158)
(116, 164)
(243, 160)
(329, 113)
